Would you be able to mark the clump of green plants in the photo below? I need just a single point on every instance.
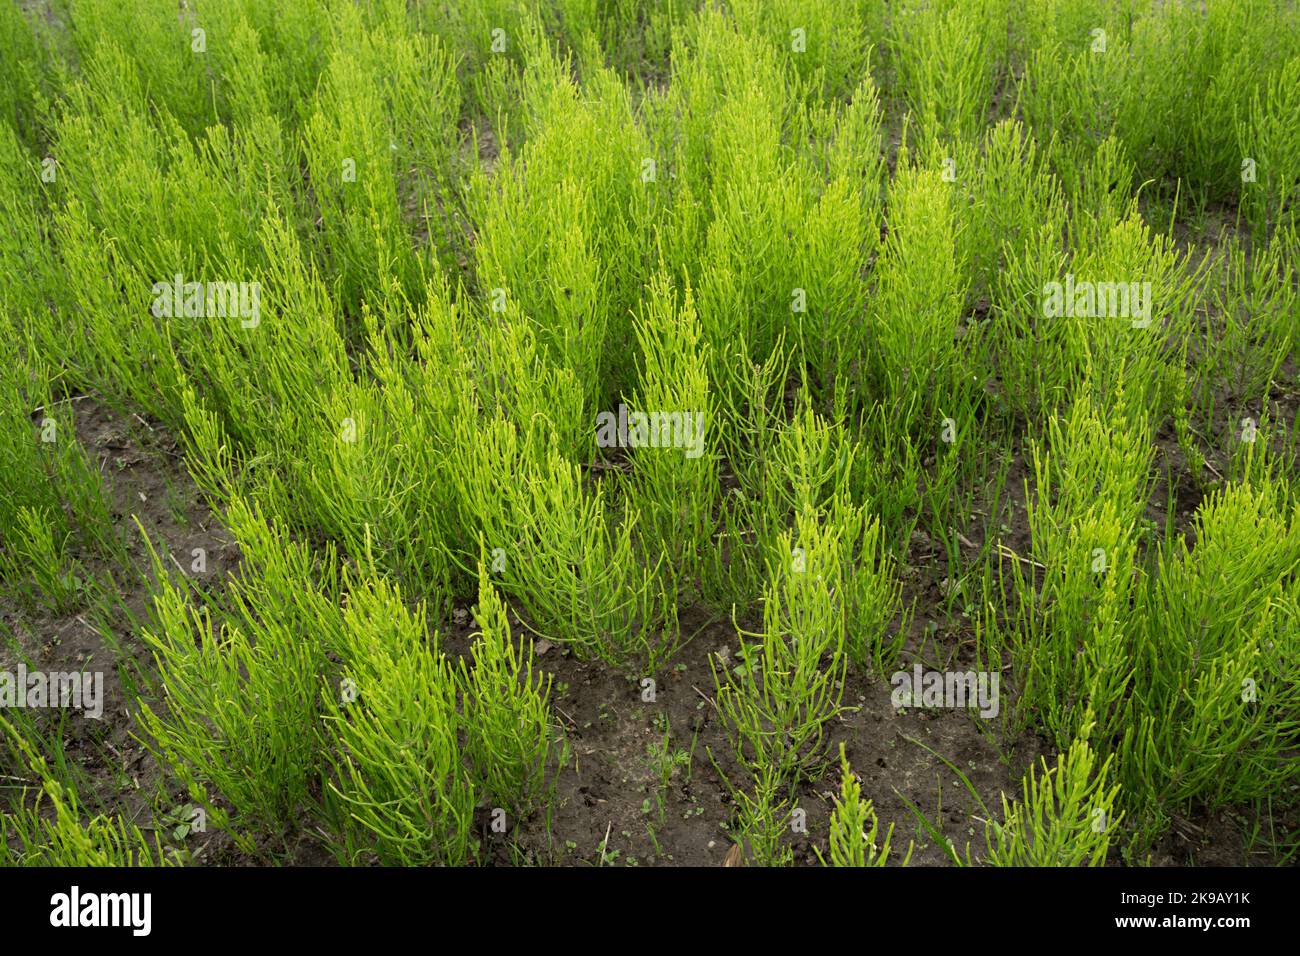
(1065, 817)
(54, 829)
(854, 828)
(398, 791)
(777, 706)
(763, 818)
(505, 707)
(676, 480)
(1268, 133)
(1072, 652)
(239, 705)
(56, 503)
(564, 552)
(1213, 712)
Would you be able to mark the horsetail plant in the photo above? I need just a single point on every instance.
(505, 709)
(776, 708)
(1065, 817)
(56, 831)
(854, 828)
(398, 790)
(240, 707)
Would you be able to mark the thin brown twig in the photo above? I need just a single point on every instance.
(604, 844)
(61, 401)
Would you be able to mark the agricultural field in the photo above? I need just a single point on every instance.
(616, 433)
